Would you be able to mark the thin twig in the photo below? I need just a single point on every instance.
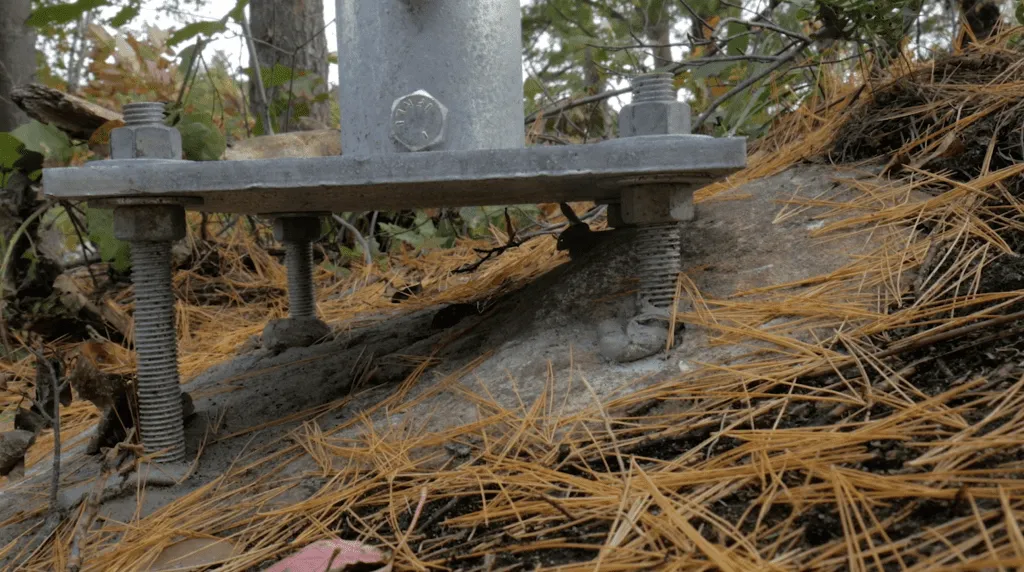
(76, 224)
(56, 387)
(784, 58)
(264, 108)
(367, 255)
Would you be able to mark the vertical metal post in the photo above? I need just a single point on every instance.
(466, 54)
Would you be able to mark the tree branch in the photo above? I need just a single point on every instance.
(781, 60)
(367, 255)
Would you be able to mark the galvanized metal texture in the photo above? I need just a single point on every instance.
(156, 345)
(411, 180)
(144, 113)
(655, 111)
(466, 53)
(658, 256)
(299, 263)
(144, 134)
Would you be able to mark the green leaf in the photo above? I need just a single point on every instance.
(63, 13)
(11, 149)
(200, 138)
(711, 69)
(406, 235)
(277, 76)
(127, 14)
(100, 223)
(238, 12)
(206, 28)
(1019, 12)
(737, 46)
(45, 139)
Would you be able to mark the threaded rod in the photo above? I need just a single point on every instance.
(144, 113)
(658, 255)
(654, 87)
(299, 262)
(156, 346)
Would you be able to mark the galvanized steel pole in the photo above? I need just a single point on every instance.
(465, 55)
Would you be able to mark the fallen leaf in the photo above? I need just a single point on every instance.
(317, 556)
(193, 553)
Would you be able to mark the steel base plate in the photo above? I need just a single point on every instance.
(538, 174)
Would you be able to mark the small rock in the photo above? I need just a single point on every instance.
(458, 449)
(31, 421)
(13, 446)
(633, 342)
(252, 343)
(280, 335)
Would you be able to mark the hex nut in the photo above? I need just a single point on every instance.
(654, 118)
(149, 223)
(145, 141)
(296, 228)
(658, 204)
(418, 121)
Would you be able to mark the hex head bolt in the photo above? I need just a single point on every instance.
(656, 211)
(150, 227)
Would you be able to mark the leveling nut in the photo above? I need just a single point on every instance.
(296, 228)
(654, 118)
(145, 142)
(149, 223)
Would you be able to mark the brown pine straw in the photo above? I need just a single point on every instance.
(728, 467)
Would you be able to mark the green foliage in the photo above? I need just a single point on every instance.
(100, 223)
(15, 157)
(201, 140)
(125, 15)
(63, 13)
(422, 235)
(47, 140)
(205, 28)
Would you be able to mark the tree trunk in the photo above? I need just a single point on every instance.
(280, 30)
(659, 33)
(17, 59)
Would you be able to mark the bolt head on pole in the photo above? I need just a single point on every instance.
(418, 121)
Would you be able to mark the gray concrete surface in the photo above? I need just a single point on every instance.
(548, 326)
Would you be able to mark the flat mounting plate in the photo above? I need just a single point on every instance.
(538, 174)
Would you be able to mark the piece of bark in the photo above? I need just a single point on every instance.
(74, 299)
(13, 446)
(321, 143)
(30, 421)
(71, 114)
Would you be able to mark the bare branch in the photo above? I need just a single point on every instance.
(367, 255)
(264, 106)
(781, 60)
